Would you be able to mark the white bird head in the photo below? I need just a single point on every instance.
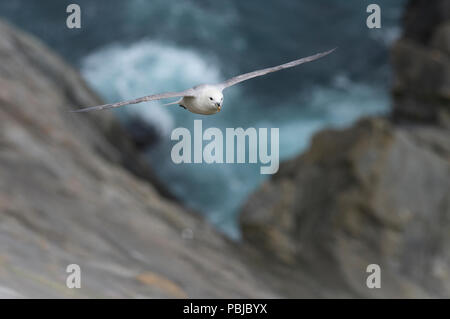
(213, 97)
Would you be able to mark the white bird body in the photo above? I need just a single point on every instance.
(206, 99)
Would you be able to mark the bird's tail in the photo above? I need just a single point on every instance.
(172, 103)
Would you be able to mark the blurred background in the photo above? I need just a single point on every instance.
(127, 49)
(346, 198)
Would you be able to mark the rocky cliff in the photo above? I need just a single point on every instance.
(375, 193)
(371, 194)
(421, 62)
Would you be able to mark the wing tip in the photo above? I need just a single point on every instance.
(330, 51)
(91, 108)
(323, 54)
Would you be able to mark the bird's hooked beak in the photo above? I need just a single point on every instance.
(219, 107)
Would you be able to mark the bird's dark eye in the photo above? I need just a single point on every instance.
(211, 98)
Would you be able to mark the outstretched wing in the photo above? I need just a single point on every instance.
(189, 92)
(254, 74)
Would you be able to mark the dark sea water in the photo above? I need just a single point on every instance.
(132, 48)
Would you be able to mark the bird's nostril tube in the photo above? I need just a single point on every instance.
(218, 104)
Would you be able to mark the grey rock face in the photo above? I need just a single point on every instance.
(421, 62)
(422, 17)
(373, 193)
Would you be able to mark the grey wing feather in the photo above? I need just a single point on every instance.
(189, 92)
(254, 74)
